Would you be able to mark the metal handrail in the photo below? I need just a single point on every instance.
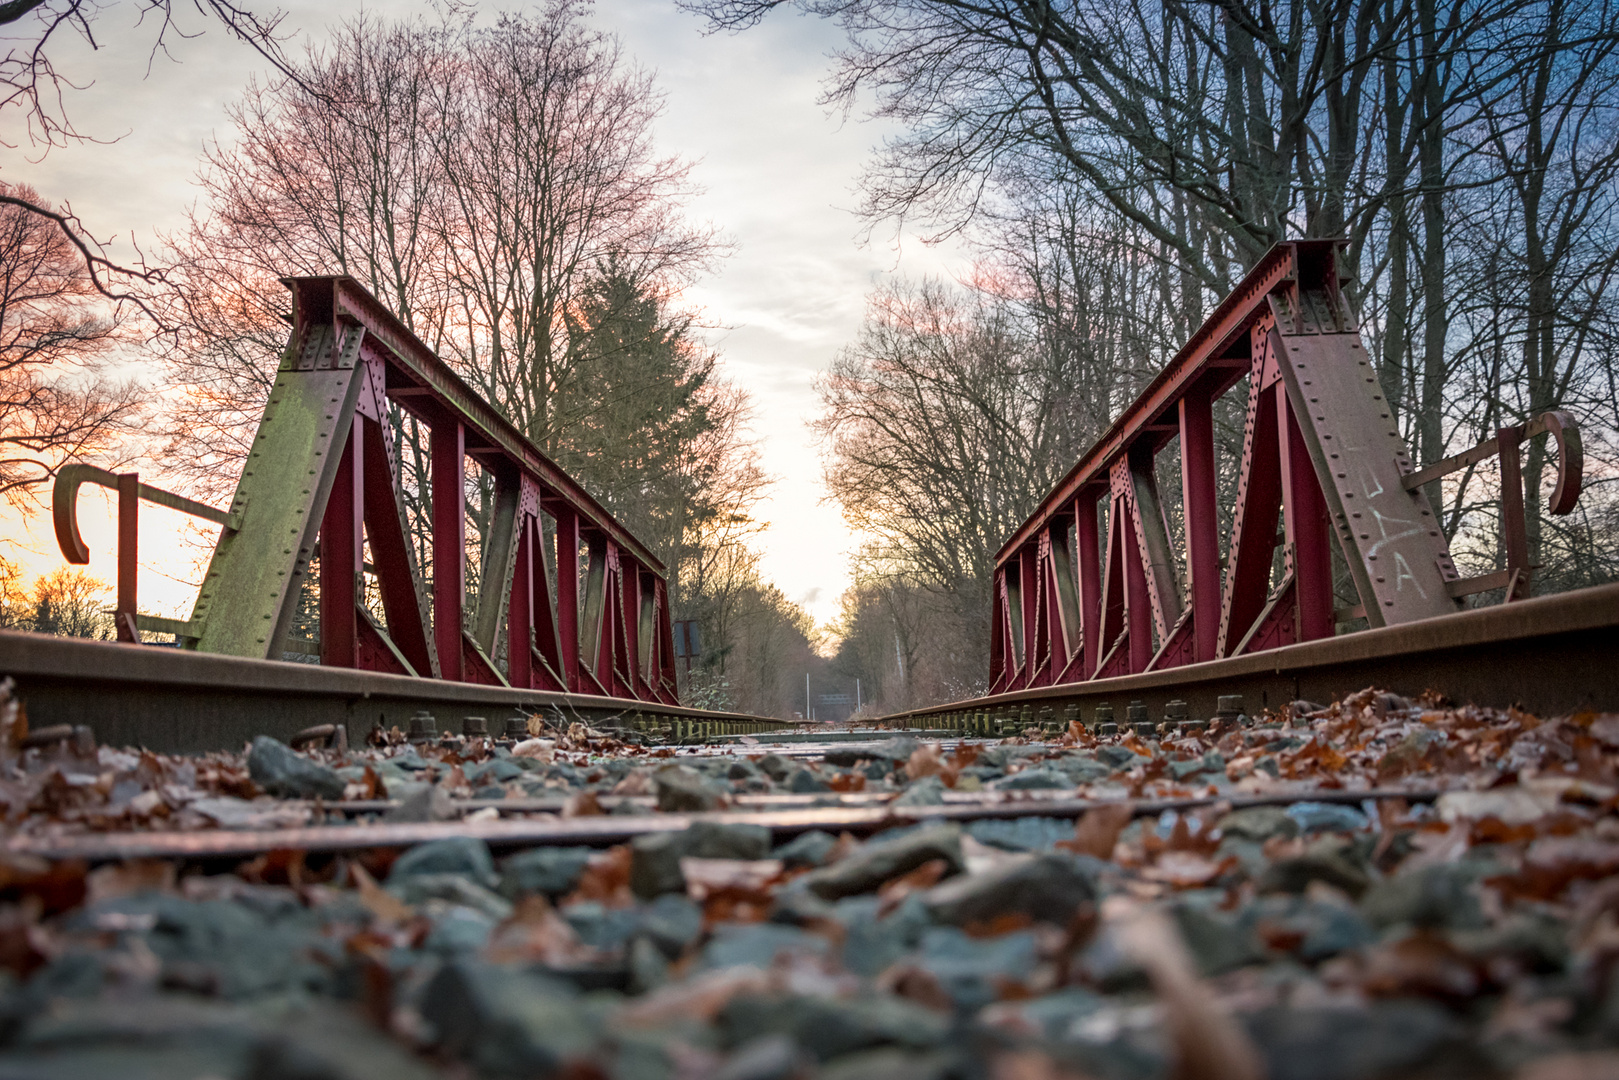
(65, 517)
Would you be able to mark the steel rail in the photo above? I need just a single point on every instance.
(175, 700)
(1549, 654)
(603, 830)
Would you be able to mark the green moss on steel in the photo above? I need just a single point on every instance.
(247, 600)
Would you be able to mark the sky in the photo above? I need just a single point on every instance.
(779, 173)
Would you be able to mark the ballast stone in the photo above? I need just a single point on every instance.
(281, 770)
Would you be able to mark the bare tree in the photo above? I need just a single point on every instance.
(1187, 139)
(69, 602)
(757, 644)
(499, 187)
(31, 85)
(332, 173)
(943, 428)
(543, 143)
(1244, 116)
(55, 402)
(905, 642)
(15, 613)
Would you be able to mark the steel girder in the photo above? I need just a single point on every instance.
(324, 469)
(1076, 600)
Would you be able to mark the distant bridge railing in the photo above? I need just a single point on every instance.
(322, 479)
(1321, 455)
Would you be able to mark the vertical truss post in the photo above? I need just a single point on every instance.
(1062, 614)
(1514, 534)
(1012, 606)
(595, 618)
(519, 608)
(1029, 606)
(1152, 541)
(342, 556)
(1305, 523)
(646, 635)
(500, 552)
(1112, 621)
(448, 448)
(665, 686)
(629, 619)
(998, 651)
(1137, 602)
(1090, 578)
(568, 629)
(542, 614)
(1259, 495)
(1125, 537)
(129, 508)
(404, 600)
(1198, 488)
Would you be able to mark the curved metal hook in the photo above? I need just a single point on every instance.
(65, 507)
(1570, 458)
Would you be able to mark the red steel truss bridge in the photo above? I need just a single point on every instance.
(1335, 573)
(321, 487)
(1099, 604)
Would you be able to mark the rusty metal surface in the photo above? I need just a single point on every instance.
(351, 299)
(1229, 318)
(613, 829)
(1321, 456)
(175, 700)
(1551, 654)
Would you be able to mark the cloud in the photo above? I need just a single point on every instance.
(779, 173)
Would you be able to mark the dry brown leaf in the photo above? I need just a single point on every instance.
(925, 760)
(539, 749)
(700, 998)
(535, 933)
(56, 886)
(1187, 869)
(1030, 1065)
(455, 782)
(1423, 964)
(1097, 832)
(128, 878)
(638, 782)
(918, 984)
(25, 945)
(897, 889)
(606, 878)
(707, 876)
(847, 782)
(582, 804)
(381, 903)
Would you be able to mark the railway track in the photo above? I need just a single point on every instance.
(1550, 654)
(858, 817)
(889, 928)
(1153, 839)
